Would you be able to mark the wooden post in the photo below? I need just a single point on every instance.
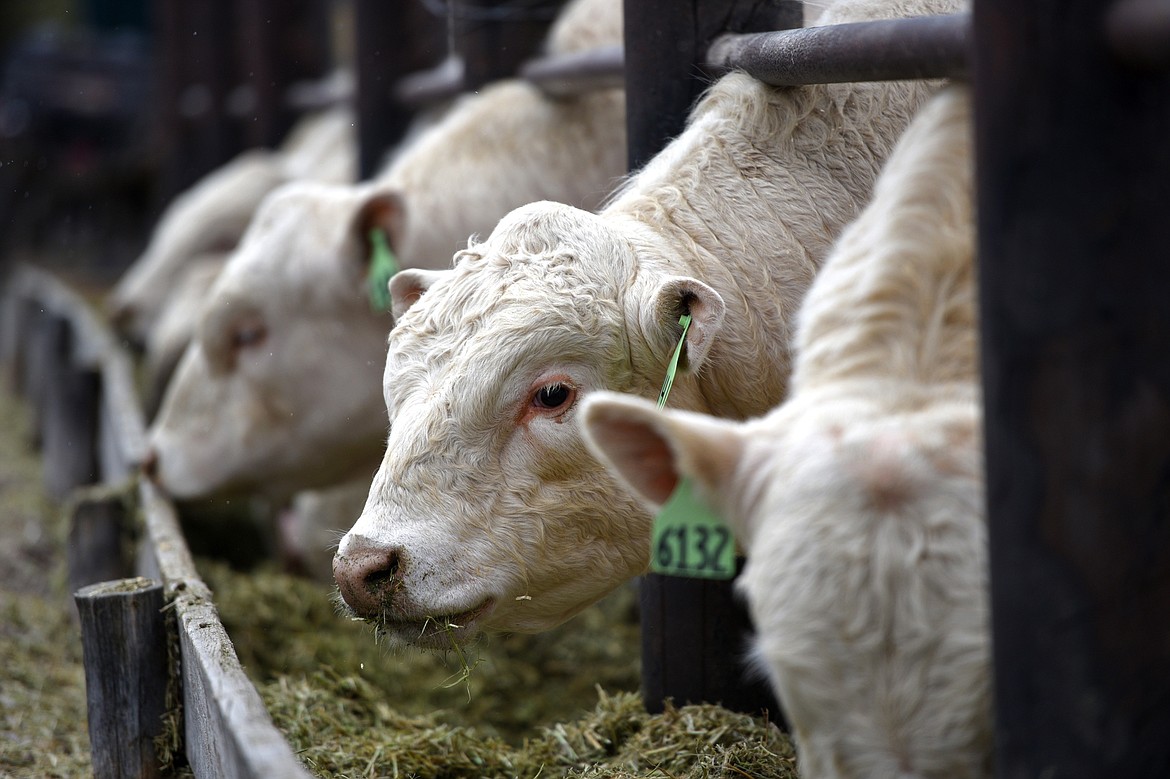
(694, 632)
(393, 39)
(11, 326)
(1074, 190)
(68, 421)
(36, 364)
(124, 641)
(97, 549)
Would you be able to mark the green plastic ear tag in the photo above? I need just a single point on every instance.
(672, 367)
(383, 265)
(688, 538)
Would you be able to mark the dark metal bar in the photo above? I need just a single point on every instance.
(887, 50)
(571, 74)
(199, 66)
(281, 42)
(1073, 185)
(693, 632)
(493, 37)
(1139, 32)
(393, 39)
(559, 75)
(434, 85)
(666, 45)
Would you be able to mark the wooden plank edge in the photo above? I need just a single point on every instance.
(228, 730)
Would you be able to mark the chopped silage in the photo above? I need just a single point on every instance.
(42, 681)
(561, 703)
(555, 704)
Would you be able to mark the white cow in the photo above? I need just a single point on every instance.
(280, 391)
(488, 512)
(212, 215)
(175, 326)
(859, 501)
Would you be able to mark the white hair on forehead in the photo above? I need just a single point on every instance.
(539, 258)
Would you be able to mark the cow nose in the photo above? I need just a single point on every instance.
(119, 315)
(150, 464)
(368, 575)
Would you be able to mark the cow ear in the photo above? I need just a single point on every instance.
(651, 449)
(678, 295)
(409, 284)
(382, 210)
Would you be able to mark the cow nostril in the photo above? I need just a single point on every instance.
(380, 577)
(369, 576)
(150, 464)
(120, 315)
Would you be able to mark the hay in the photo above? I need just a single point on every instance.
(42, 681)
(507, 685)
(530, 705)
(343, 727)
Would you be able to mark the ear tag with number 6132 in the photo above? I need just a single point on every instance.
(688, 538)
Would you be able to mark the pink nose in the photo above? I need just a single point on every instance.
(368, 575)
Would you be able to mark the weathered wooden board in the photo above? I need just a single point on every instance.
(227, 731)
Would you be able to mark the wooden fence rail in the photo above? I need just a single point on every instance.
(56, 349)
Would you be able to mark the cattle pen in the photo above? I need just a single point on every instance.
(1072, 129)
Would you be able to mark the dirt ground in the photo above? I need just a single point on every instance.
(42, 683)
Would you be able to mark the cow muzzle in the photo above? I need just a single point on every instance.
(368, 575)
(371, 579)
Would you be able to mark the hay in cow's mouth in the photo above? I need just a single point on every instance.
(443, 632)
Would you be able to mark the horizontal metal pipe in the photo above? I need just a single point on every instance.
(569, 74)
(427, 87)
(887, 50)
(897, 49)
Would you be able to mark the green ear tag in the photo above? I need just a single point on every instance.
(672, 367)
(688, 538)
(383, 265)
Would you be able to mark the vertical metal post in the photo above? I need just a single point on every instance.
(493, 42)
(393, 39)
(280, 42)
(666, 46)
(199, 66)
(694, 632)
(1074, 186)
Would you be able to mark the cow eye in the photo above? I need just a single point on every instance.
(553, 396)
(248, 335)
